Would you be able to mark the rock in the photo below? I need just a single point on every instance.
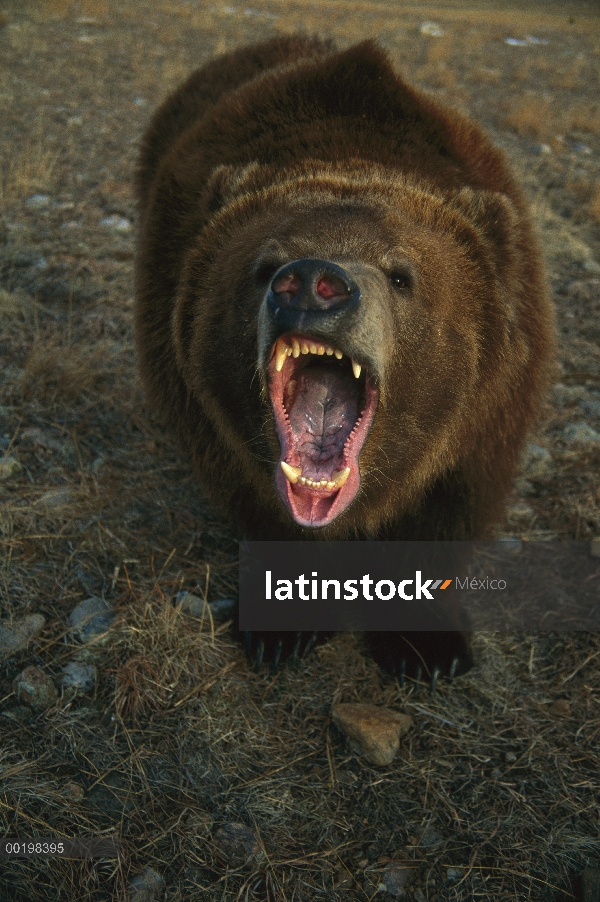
(374, 731)
(418, 895)
(20, 714)
(90, 618)
(146, 886)
(511, 545)
(118, 223)
(591, 406)
(395, 880)
(9, 467)
(431, 840)
(595, 547)
(561, 708)
(432, 30)
(510, 757)
(57, 497)
(39, 439)
(568, 394)
(19, 633)
(520, 511)
(590, 880)
(537, 462)
(236, 843)
(453, 875)
(581, 434)
(194, 606)
(73, 792)
(35, 688)
(78, 676)
(38, 201)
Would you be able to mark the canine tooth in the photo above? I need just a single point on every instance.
(356, 368)
(295, 347)
(338, 354)
(291, 473)
(304, 347)
(328, 351)
(340, 477)
(281, 352)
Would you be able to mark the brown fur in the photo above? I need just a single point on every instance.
(292, 150)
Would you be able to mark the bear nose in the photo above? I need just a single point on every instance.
(311, 286)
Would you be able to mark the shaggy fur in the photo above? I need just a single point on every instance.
(291, 150)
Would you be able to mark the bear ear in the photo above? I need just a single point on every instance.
(496, 218)
(227, 182)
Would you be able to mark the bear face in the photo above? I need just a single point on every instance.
(341, 309)
(428, 324)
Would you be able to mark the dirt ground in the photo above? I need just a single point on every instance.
(494, 792)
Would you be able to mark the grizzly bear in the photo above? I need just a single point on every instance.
(341, 308)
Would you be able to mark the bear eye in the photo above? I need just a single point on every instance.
(401, 281)
(265, 272)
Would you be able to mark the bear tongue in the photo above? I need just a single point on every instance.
(322, 414)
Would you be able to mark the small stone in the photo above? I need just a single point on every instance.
(418, 895)
(432, 30)
(511, 545)
(193, 605)
(581, 434)
(117, 223)
(590, 880)
(537, 462)
(542, 149)
(35, 688)
(91, 618)
(510, 757)
(19, 633)
(57, 497)
(568, 394)
(39, 439)
(374, 731)
(236, 843)
(431, 840)
(146, 886)
(453, 875)
(520, 511)
(38, 201)
(591, 407)
(561, 708)
(78, 676)
(20, 714)
(9, 467)
(595, 547)
(73, 792)
(396, 878)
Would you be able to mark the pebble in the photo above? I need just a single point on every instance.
(73, 792)
(57, 497)
(542, 149)
(537, 462)
(581, 434)
(236, 843)
(568, 394)
(146, 886)
(40, 439)
(453, 874)
(194, 606)
(91, 618)
(78, 676)
(418, 895)
(38, 201)
(19, 633)
(561, 708)
(118, 223)
(35, 688)
(431, 840)
(373, 731)
(9, 467)
(395, 879)
(591, 406)
(520, 511)
(432, 30)
(511, 544)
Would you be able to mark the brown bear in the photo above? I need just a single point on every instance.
(341, 308)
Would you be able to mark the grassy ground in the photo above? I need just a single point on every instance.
(498, 778)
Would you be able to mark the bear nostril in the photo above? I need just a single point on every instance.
(288, 284)
(330, 286)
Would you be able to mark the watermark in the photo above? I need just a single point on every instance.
(404, 586)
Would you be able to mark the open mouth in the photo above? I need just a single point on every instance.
(324, 403)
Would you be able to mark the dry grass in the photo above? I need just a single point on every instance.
(498, 776)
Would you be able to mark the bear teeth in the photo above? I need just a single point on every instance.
(283, 350)
(294, 475)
